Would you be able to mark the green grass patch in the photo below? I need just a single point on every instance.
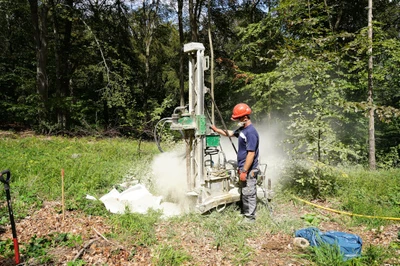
(373, 193)
(94, 166)
(355, 190)
(36, 251)
(326, 254)
(225, 231)
(372, 255)
(137, 229)
(91, 166)
(7, 248)
(169, 255)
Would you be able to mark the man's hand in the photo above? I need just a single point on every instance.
(242, 175)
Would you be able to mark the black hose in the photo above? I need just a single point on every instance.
(156, 138)
(223, 123)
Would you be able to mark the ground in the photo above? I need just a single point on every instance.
(270, 248)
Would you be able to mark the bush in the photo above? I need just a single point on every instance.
(310, 178)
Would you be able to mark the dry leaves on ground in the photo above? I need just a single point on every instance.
(96, 249)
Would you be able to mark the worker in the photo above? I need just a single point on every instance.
(247, 158)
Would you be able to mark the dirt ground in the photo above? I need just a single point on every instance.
(96, 249)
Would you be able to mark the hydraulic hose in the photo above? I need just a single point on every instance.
(223, 123)
(156, 138)
(222, 150)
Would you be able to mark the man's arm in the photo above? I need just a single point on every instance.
(249, 160)
(227, 133)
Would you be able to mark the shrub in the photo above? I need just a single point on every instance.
(310, 178)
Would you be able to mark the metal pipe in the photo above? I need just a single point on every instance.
(200, 112)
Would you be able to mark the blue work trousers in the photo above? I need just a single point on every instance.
(248, 195)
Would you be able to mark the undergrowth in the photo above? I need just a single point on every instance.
(169, 255)
(91, 166)
(134, 228)
(94, 166)
(370, 193)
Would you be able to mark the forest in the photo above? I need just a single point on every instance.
(325, 71)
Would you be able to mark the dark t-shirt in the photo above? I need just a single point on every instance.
(248, 140)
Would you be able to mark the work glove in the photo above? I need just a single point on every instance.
(214, 128)
(242, 175)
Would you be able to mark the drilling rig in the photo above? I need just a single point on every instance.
(210, 178)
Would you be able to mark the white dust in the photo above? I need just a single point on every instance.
(169, 168)
(169, 177)
(271, 150)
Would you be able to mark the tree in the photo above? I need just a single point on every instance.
(18, 94)
(195, 8)
(39, 15)
(181, 54)
(371, 128)
(62, 29)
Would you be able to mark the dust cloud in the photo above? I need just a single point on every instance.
(169, 177)
(271, 149)
(169, 168)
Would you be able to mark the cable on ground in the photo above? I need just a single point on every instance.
(347, 213)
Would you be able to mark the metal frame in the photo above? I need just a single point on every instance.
(214, 184)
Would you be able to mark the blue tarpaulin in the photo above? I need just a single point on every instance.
(350, 245)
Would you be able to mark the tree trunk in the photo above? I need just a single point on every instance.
(371, 128)
(181, 54)
(193, 21)
(212, 63)
(150, 18)
(62, 53)
(39, 23)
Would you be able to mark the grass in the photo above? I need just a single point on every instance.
(137, 229)
(93, 166)
(170, 255)
(326, 254)
(370, 193)
(36, 251)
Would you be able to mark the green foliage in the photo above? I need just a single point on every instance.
(375, 255)
(7, 248)
(76, 263)
(90, 207)
(311, 219)
(310, 178)
(370, 193)
(136, 228)
(300, 62)
(169, 255)
(387, 159)
(91, 167)
(260, 47)
(222, 230)
(228, 231)
(66, 239)
(23, 201)
(317, 114)
(93, 64)
(37, 249)
(117, 66)
(326, 254)
(226, 228)
(385, 91)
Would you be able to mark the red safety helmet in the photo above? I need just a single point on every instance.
(241, 109)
